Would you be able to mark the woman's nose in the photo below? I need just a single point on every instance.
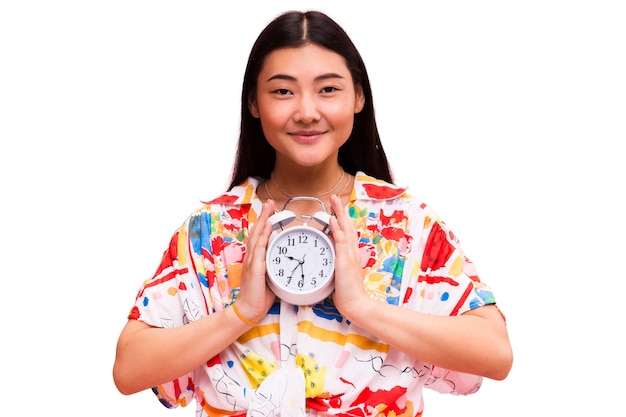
(307, 111)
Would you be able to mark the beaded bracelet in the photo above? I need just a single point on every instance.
(245, 320)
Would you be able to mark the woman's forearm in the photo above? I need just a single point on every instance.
(147, 356)
(475, 342)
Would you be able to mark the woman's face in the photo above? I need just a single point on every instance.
(306, 101)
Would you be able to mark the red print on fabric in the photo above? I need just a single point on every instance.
(325, 401)
(134, 313)
(177, 390)
(240, 215)
(392, 233)
(382, 191)
(210, 274)
(437, 280)
(215, 360)
(224, 199)
(368, 255)
(438, 249)
(407, 296)
(389, 230)
(217, 244)
(170, 253)
(164, 278)
(372, 399)
(398, 216)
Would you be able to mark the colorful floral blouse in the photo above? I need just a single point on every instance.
(410, 259)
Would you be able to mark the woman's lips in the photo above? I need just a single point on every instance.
(307, 136)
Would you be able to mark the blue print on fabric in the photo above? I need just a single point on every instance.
(326, 309)
(203, 280)
(476, 302)
(200, 232)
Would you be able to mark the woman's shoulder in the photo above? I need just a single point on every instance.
(244, 193)
(367, 187)
(238, 199)
(371, 191)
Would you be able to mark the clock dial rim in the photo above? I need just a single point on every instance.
(310, 296)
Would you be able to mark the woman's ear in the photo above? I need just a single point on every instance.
(252, 107)
(359, 103)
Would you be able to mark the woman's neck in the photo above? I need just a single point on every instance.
(314, 182)
(306, 186)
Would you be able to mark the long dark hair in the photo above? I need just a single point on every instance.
(362, 151)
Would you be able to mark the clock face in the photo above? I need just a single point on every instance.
(301, 265)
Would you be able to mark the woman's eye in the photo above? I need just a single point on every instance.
(282, 91)
(329, 89)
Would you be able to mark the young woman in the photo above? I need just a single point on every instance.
(408, 310)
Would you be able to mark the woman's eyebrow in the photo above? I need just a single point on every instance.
(328, 76)
(292, 78)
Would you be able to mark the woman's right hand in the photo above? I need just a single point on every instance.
(255, 298)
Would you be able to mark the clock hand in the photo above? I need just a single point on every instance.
(291, 258)
(293, 270)
(300, 263)
(301, 282)
(301, 272)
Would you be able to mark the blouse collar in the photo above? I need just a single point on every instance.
(365, 188)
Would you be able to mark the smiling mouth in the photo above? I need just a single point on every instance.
(307, 136)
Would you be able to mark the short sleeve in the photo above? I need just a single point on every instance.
(445, 381)
(172, 297)
(441, 280)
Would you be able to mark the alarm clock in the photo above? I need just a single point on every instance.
(300, 260)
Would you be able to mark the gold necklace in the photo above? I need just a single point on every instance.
(343, 174)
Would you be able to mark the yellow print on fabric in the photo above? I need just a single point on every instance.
(257, 368)
(314, 375)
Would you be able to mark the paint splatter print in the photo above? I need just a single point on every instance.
(410, 259)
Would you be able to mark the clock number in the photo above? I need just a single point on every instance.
(277, 260)
(282, 250)
(303, 239)
(322, 251)
(325, 262)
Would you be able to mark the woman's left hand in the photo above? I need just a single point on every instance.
(350, 295)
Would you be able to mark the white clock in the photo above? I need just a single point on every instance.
(300, 260)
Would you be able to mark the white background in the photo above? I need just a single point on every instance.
(118, 117)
